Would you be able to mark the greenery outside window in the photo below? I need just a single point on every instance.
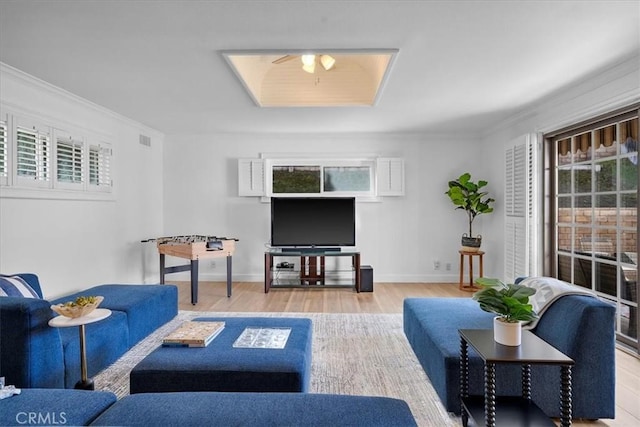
(317, 177)
(296, 179)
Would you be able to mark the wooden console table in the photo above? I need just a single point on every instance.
(311, 271)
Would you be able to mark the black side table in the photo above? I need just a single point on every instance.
(510, 411)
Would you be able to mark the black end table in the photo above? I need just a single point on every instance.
(510, 411)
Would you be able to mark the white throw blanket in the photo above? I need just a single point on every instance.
(549, 290)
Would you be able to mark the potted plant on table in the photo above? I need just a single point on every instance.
(468, 196)
(511, 304)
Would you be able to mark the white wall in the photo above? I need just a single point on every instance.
(400, 236)
(73, 244)
(188, 184)
(615, 87)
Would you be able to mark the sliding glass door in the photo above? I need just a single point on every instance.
(595, 229)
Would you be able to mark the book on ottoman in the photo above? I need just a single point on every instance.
(193, 334)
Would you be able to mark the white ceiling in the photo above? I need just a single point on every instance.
(462, 66)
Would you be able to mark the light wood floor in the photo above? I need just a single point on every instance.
(386, 298)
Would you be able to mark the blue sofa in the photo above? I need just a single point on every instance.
(78, 407)
(35, 355)
(580, 326)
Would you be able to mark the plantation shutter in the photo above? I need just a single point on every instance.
(69, 162)
(4, 173)
(520, 245)
(251, 177)
(390, 176)
(100, 167)
(33, 156)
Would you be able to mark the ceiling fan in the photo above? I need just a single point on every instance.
(309, 61)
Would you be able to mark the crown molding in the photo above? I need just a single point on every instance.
(7, 71)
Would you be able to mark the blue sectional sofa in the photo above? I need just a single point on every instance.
(77, 407)
(35, 355)
(580, 326)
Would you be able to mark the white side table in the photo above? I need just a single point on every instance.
(64, 322)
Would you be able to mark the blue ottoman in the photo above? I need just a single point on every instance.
(256, 409)
(34, 406)
(221, 367)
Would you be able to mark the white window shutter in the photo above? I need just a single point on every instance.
(69, 155)
(100, 167)
(4, 152)
(33, 155)
(251, 177)
(390, 176)
(521, 207)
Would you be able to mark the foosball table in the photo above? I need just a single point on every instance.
(194, 248)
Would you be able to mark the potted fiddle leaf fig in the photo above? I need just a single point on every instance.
(511, 304)
(468, 196)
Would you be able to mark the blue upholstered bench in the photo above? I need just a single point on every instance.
(35, 406)
(580, 326)
(35, 355)
(136, 311)
(220, 367)
(146, 306)
(256, 409)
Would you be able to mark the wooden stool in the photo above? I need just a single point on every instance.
(470, 287)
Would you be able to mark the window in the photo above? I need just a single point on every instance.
(3, 152)
(367, 177)
(596, 198)
(322, 176)
(59, 164)
(347, 178)
(100, 167)
(69, 162)
(296, 179)
(33, 156)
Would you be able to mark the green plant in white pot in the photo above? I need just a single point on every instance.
(511, 304)
(468, 196)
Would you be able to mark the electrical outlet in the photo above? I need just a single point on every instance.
(213, 264)
(448, 266)
(436, 264)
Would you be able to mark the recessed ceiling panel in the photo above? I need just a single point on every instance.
(329, 79)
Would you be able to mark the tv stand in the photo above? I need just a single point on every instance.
(311, 271)
(309, 250)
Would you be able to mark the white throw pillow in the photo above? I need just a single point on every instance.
(16, 286)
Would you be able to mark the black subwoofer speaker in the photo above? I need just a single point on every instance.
(366, 278)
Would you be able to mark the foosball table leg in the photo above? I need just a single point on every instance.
(162, 269)
(194, 281)
(229, 276)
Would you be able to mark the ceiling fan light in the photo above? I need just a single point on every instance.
(327, 62)
(309, 68)
(308, 59)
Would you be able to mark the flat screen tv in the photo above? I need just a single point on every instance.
(309, 222)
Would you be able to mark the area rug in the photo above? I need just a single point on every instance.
(355, 354)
